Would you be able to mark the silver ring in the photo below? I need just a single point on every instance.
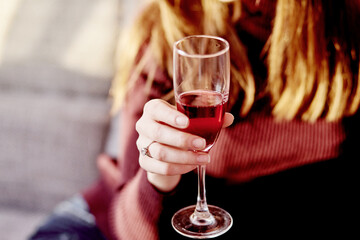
(145, 150)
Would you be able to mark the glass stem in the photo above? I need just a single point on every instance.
(201, 205)
(201, 215)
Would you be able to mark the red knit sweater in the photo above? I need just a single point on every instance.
(253, 147)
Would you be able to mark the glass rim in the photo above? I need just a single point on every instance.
(192, 55)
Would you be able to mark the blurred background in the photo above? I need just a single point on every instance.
(56, 65)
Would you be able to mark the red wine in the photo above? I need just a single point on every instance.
(205, 110)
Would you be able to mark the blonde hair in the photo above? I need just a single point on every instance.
(312, 71)
(311, 58)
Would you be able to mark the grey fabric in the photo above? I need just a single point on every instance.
(56, 65)
(71, 220)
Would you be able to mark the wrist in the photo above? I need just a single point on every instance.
(163, 183)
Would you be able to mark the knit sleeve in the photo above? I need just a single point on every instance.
(136, 206)
(136, 210)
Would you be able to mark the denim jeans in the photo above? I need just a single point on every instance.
(71, 220)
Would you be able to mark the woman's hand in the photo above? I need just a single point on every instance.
(171, 154)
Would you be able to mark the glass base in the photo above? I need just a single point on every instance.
(221, 221)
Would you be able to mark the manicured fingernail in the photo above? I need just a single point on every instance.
(198, 143)
(203, 158)
(181, 121)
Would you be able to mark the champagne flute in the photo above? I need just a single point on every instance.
(201, 86)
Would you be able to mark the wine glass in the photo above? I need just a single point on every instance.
(201, 86)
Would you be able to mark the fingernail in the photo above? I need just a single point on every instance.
(181, 121)
(203, 158)
(198, 143)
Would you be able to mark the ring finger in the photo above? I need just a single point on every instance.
(166, 153)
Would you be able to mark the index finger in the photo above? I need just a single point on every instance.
(161, 111)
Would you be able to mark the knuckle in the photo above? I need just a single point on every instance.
(151, 104)
(141, 162)
(168, 170)
(140, 125)
(182, 140)
(137, 125)
(147, 105)
(161, 153)
(138, 143)
(157, 131)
